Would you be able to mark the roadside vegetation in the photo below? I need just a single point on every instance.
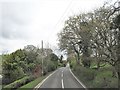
(95, 78)
(0, 64)
(31, 85)
(0, 71)
(25, 65)
(92, 43)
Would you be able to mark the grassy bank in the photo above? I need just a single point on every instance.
(27, 82)
(34, 83)
(92, 78)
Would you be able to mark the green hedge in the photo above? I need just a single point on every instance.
(51, 66)
(20, 82)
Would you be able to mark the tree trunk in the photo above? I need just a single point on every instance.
(78, 58)
(86, 55)
(77, 54)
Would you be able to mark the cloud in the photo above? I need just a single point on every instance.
(14, 21)
(24, 22)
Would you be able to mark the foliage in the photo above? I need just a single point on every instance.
(54, 58)
(33, 83)
(27, 62)
(51, 66)
(86, 73)
(72, 63)
(94, 78)
(75, 37)
(19, 82)
(11, 70)
(106, 77)
(94, 35)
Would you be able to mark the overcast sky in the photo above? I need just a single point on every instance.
(26, 22)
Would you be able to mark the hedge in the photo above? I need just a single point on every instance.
(18, 83)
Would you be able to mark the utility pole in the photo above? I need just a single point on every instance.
(42, 56)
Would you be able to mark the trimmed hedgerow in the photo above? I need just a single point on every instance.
(16, 84)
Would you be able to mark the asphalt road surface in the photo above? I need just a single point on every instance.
(62, 78)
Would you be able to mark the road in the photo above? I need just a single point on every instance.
(61, 78)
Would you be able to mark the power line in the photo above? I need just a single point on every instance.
(63, 15)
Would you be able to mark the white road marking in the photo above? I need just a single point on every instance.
(62, 75)
(39, 85)
(62, 84)
(77, 79)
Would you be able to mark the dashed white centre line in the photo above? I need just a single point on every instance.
(62, 84)
(62, 80)
(62, 75)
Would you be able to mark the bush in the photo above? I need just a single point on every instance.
(72, 63)
(104, 79)
(60, 64)
(51, 66)
(93, 78)
(86, 73)
(20, 82)
(12, 75)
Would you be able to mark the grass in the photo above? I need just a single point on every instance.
(34, 83)
(85, 75)
(19, 82)
(101, 78)
(93, 64)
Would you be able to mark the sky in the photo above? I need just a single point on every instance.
(27, 22)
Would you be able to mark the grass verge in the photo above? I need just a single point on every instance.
(101, 78)
(34, 83)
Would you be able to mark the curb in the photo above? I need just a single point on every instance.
(39, 85)
(78, 80)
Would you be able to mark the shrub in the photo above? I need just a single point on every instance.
(92, 78)
(113, 83)
(72, 63)
(51, 66)
(20, 82)
(89, 74)
(86, 73)
(12, 75)
(59, 64)
(104, 79)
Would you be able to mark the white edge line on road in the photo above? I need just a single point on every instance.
(39, 85)
(62, 84)
(78, 79)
